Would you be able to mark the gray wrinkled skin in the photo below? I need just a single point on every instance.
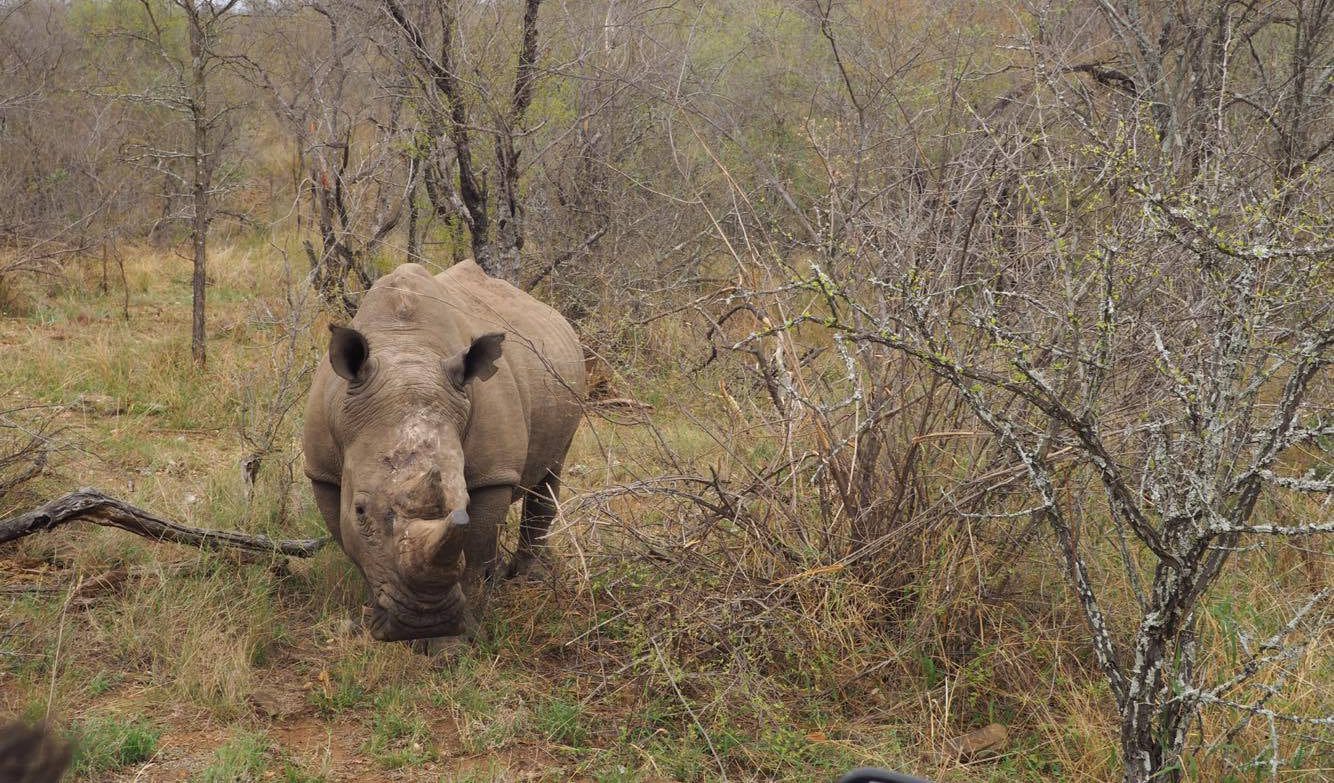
(446, 399)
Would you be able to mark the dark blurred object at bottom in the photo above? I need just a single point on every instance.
(31, 753)
(877, 775)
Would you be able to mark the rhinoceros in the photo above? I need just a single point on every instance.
(446, 399)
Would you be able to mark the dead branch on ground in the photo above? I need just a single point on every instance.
(91, 505)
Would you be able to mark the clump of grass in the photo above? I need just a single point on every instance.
(341, 694)
(107, 743)
(681, 759)
(362, 670)
(492, 771)
(613, 768)
(399, 734)
(292, 772)
(103, 682)
(205, 632)
(495, 731)
(242, 759)
(562, 721)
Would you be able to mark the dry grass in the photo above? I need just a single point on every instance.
(672, 644)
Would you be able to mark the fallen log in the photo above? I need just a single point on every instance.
(91, 505)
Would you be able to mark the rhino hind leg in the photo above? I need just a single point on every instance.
(539, 508)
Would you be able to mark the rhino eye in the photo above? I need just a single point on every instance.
(363, 521)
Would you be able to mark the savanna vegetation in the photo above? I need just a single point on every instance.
(961, 393)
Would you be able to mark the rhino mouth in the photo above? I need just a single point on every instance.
(396, 618)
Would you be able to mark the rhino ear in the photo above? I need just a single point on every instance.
(348, 352)
(477, 361)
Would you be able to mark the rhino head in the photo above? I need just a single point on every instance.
(404, 501)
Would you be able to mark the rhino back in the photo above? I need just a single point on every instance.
(544, 361)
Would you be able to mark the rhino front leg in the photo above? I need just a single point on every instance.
(486, 513)
(328, 499)
(539, 508)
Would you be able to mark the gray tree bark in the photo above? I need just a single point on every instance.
(201, 176)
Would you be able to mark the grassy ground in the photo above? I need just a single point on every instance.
(196, 666)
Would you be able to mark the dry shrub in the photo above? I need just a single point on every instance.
(933, 388)
(797, 518)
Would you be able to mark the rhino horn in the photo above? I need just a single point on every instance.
(422, 543)
(431, 487)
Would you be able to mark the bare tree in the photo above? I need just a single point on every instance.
(494, 219)
(358, 171)
(190, 92)
(63, 194)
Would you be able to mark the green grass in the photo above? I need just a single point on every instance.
(103, 682)
(399, 735)
(490, 772)
(107, 743)
(295, 773)
(682, 758)
(342, 691)
(561, 720)
(613, 768)
(242, 759)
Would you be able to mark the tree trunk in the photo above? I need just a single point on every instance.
(509, 204)
(414, 214)
(499, 255)
(200, 177)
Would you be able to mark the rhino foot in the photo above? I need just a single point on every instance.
(528, 567)
(442, 648)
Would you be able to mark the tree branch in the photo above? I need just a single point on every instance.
(92, 505)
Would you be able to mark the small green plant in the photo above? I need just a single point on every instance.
(492, 732)
(109, 742)
(680, 759)
(473, 704)
(616, 772)
(294, 773)
(341, 691)
(103, 682)
(491, 773)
